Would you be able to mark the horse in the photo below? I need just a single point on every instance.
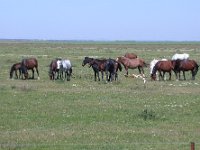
(29, 64)
(185, 65)
(162, 66)
(132, 64)
(53, 69)
(180, 56)
(14, 68)
(66, 68)
(153, 63)
(96, 66)
(111, 69)
(130, 55)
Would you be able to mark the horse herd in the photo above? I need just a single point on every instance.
(62, 68)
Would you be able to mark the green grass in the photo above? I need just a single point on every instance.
(83, 114)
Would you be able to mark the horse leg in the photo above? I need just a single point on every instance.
(37, 72)
(193, 74)
(163, 76)
(139, 70)
(16, 74)
(160, 75)
(184, 75)
(126, 71)
(32, 73)
(170, 75)
(102, 75)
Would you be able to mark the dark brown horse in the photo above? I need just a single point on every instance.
(132, 64)
(130, 55)
(53, 69)
(185, 65)
(99, 65)
(162, 66)
(29, 64)
(111, 68)
(15, 68)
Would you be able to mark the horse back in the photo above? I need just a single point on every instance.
(164, 65)
(130, 55)
(30, 63)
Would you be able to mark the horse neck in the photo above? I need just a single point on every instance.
(155, 68)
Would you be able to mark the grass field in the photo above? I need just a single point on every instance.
(83, 114)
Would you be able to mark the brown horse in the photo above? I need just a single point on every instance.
(162, 66)
(132, 64)
(15, 67)
(29, 64)
(185, 65)
(130, 55)
(53, 69)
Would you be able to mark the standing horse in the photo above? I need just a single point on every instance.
(162, 66)
(15, 67)
(111, 69)
(132, 64)
(130, 55)
(97, 65)
(29, 64)
(185, 65)
(66, 68)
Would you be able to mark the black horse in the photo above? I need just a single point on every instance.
(111, 69)
(99, 65)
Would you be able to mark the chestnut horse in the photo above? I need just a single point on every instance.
(130, 55)
(132, 64)
(29, 64)
(15, 67)
(162, 66)
(185, 65)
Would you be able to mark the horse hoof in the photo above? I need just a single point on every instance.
(38, 78)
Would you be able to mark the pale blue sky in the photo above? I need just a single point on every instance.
(149, 20)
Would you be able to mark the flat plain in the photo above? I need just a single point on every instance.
(84, 114)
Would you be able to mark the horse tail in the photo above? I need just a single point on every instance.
(196, 69)
(11, 71)
(119, 66)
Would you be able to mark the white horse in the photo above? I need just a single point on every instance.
(180, 56)
(153, 63)
(66, 68)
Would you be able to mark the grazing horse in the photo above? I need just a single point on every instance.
(29, 64)
(66, 68)
(53, 69)
(132, 64)
(15, 67)
(185, 65)
(111, 68)
(153, 63)
(130, 55)
(162, 66)
(180, 56)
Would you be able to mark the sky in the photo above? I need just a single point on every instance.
(138, 20)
